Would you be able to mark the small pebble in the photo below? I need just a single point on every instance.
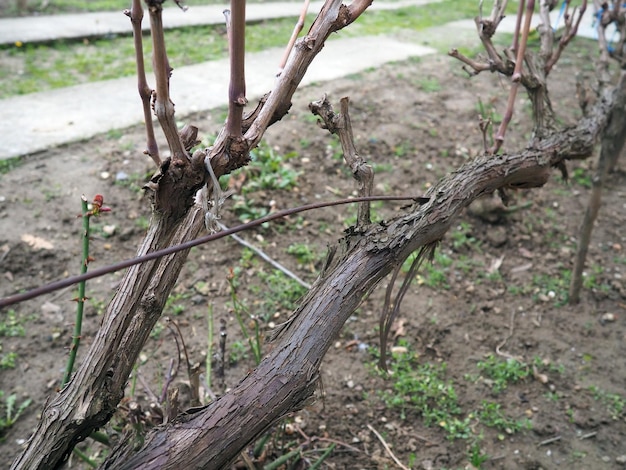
(121, 176)
(105, 175)
(608, 317)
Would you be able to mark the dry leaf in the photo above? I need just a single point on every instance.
(397, 328)
(36, 242)
(495, 265)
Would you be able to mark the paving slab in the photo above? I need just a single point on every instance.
(85, 25)
(38, 121)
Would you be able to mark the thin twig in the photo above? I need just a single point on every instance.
(549, 441)
(382, 441)
(516, 78)
(341, 125)
(294, 35)
(145, 92)
(509, 336)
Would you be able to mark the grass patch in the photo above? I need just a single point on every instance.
(10, 411)
(9, 164)
(424, 388)
(40, 67)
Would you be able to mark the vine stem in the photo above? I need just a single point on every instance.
(80, 300)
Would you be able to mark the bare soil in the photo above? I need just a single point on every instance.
(503, 294)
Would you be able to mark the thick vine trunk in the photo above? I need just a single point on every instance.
(213, 436)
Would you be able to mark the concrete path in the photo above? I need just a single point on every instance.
(85, 25)
(38, 121)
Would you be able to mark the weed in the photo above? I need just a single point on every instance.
(502, 372)
(462, 237)
(11, 325)
(237, 352)
(424, 389)
(555, 288)
(9, 164)
(7, 361)
(614, 403)
(302, 252)
(592, 279)
(173, 304)
(8, 413)
(241, 311)
(491, 415)
(267, 171)
(280, 292)
(429, 84)
(433, 274)
(476, 457)
(582, 177)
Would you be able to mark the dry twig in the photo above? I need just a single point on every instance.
(387, 449)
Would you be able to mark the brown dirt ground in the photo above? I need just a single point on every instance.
(415, 121)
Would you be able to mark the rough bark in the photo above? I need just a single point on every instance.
(91, 397)
(211, 437)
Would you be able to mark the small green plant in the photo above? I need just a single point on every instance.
(491, 415)
(280, 293)
(582, 177)
(9, 164)
(241, 311)
(429, 84)
(476, 457)
(8, 412)
(302, 252)
(267, 171)
(615, 404)
(433, 274)
(424, 389)
(503, 372)
(555, 288)
(11, 324)
(7, 361)
(462, 237)
(94, 209)
(173, 304)
(237, 352)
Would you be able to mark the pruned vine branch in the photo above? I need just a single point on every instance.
(212, 436)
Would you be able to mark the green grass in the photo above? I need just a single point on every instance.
(11, 325)
(267, 171)
(39, 67)
(614, 403)
(9, 412)
(424, 388)
(503, 372)
(9, 164)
